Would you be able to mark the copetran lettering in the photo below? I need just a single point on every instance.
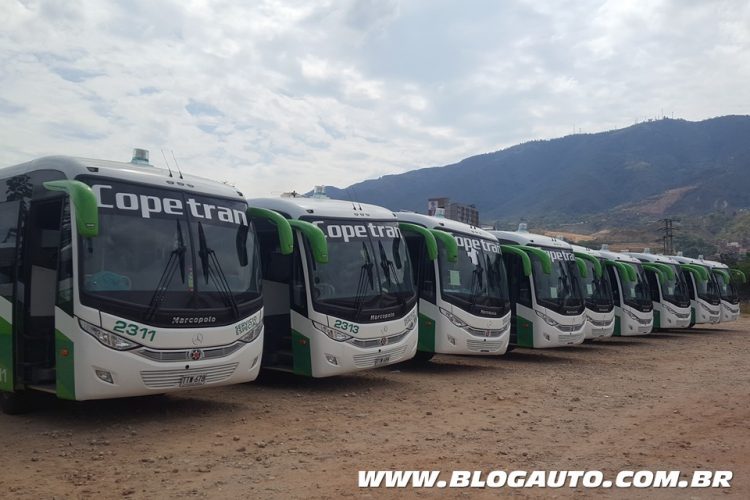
(556, 255)
(348, 232)
(148, 205)
(470, 244)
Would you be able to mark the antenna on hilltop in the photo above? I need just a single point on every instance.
(176, 164)
(165, 161)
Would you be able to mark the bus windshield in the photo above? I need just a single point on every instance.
(560, 290)
(675, 290)
(597, 292)
(709, 290)
(636, 293)
(727, 291)
(168, 257)
(368, 275)
(476, 282)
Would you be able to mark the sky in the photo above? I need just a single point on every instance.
(274, 95)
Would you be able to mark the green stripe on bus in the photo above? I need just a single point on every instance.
(301, 354)
(525, 332)
(657, 320)
(65, 366)
(426, 338)
(6, 355)
(618, 330)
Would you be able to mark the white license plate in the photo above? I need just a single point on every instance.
(381, 360)
(192, 380)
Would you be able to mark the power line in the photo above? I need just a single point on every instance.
(668, 238)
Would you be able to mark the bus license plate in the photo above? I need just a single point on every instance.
(192, 380)
(381, 360)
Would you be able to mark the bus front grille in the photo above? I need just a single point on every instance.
(384, 356)
(484, 346)
(165, 379)
(170, 356)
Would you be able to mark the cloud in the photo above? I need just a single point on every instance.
(279, 95)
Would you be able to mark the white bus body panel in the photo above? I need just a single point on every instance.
(599, 324)
(451, 339)
(134, 374)
(670, 315)
(329, 357)
(641, 324)
(704, 312)
(729, 311)
(571, 331)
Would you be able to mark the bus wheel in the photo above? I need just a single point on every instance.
(423, 356)
(14, 403)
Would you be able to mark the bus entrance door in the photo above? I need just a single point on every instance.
(36, 293)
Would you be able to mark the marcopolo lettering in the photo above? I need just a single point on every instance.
(349, 232)
(560, 255)
(148, 205)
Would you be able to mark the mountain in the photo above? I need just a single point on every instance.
(653, 168)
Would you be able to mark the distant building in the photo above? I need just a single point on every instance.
(443, 207)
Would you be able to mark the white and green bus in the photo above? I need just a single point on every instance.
(725, 278)
(545, 293)
(122, 279)
(464, 306)
(703, 289)
(344, 300)
(634, 309)
(668, 288)
(597, 293)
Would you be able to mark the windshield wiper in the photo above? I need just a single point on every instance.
(176, 259)
(389, 268)
(365, 276)
(476, 284)
(212, 269)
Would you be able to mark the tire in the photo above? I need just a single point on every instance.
(15, 403)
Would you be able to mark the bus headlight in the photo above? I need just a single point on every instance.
(453, 318)
(547, 319)
(332, 333)
(252, 334)
(107, 338)
(410, 320)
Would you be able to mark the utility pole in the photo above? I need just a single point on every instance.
(667, 239)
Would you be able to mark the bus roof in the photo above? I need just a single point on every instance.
(300, 206)
(531, 239)
(144, 173)
(689, 260)
(714, 264)
(652, 257)
(618, 256)
(432, 222)
(580, 249)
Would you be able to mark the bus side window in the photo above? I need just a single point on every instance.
(653, 285)
(65, 267)
(615, 285)
(689, 281)
(299, 294)
(518, 284)
(8, 234)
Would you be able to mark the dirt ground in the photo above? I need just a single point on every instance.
(675, 401)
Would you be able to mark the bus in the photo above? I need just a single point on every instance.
(344, 299)
(730, 300)
(547, 307)
(122, 279)
(668, 288)
(464, 306)
(597, 293)
(634, 310)
(703, 290)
